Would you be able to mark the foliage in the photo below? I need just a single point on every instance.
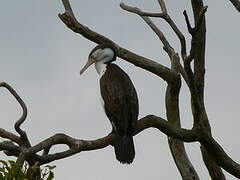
(12, 171)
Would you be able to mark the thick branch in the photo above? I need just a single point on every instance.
(150, 121)
(78, 145)
(201, 119)
(127, 55)
(199, 42)
(23, 135)
(193, 32)
(220, 157)
(164, 126)
(9, 148)
(7, 135)
(167, 47)
(177, 148)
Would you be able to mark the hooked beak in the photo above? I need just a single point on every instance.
(89, 63)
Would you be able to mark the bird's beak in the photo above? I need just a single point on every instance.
(89, 63)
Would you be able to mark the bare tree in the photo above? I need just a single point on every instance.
(213, 154)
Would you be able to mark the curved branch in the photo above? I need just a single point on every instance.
(150, 121)
(167, 18)
(7, 135)
(69, 20)
(22, 133)
(78, 145)
(166, 45)
(220, 156)
(139, 12)
(9, 148)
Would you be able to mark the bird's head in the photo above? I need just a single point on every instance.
(104, 53)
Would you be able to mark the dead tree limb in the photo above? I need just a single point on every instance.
(142, 62)
(23, 136)
(177, 148)
(198, 106)
(213, 154)
(236, 4)
(78, 145)
(95, 37)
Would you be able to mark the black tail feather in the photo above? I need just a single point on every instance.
(124, 148)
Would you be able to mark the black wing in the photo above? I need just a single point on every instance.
(120, 99)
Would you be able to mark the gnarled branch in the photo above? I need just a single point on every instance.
(77, 145)
(213, 154)
(69, 20)
(167, 47)
(23, 136)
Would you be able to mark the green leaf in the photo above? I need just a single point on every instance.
(50, 167)
(2, 169)
(51, 176)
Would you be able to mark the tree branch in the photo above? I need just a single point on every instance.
(7, 135)
(177, 148)
(167, 47)
(161, 36)
(78, 145)
(188, 59)
(216, 152)
(9, 148)
(200, 116)
(213, 154)
(162, 5)
(23, 135)
(69, 20)
(138, 11)
(236, 4)
(150, 121)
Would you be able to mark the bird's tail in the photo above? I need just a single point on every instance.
(124, 148)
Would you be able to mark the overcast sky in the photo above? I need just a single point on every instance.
(41, 58)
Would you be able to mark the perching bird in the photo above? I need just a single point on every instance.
(120, 99)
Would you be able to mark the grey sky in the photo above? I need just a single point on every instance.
(41, 58)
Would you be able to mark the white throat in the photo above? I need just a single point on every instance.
(100, 68)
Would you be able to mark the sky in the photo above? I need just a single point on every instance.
(41, 58)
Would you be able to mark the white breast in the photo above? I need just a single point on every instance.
(101, 100)
(100, 68)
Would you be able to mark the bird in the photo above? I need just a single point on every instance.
(119, 99)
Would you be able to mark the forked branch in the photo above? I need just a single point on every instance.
(21, 148)
(193, 31)
(166, 45)
(69, 20)
(78, 145)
